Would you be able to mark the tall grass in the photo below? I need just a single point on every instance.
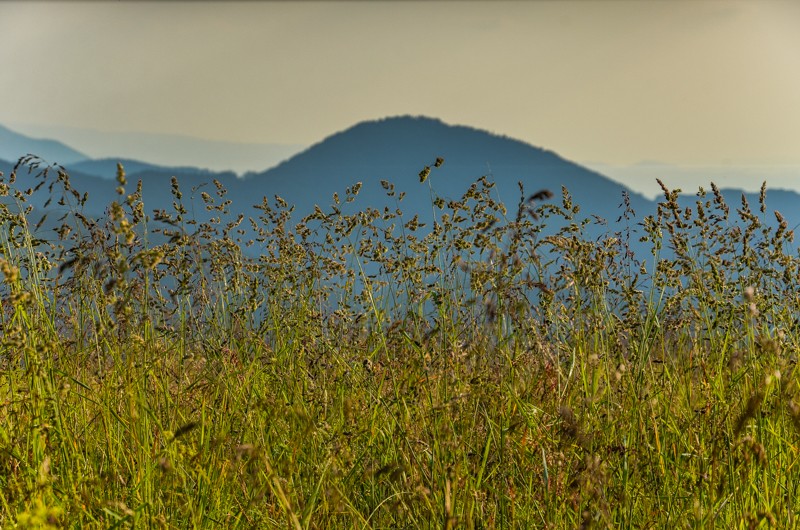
(491, 369)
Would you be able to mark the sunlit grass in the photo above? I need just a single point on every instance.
(368, 370)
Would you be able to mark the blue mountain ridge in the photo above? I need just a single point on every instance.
(14, 145)
(394, 149)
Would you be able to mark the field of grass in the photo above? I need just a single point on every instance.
(366, 371)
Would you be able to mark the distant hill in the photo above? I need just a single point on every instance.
(169, 150)
(642, 176)
(101, 190)
(13, 146)
(396, 149)
(393, 149)
(107, 168)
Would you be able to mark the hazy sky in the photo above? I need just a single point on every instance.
(617, 82)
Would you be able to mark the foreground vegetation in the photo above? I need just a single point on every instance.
(367, 371)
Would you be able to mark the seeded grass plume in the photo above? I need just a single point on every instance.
(484, 370)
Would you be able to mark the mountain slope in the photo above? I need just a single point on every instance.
(396, 149)
(392, 149)
(169, 149)
(107, 168)
(13, 146)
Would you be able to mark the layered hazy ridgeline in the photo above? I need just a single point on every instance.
(502, 359)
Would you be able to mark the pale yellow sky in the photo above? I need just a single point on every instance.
(682, 82)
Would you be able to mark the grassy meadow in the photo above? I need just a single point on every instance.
(368, 370)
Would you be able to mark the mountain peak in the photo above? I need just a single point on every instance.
(404, 144)
(408, 127)
(396, 149)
